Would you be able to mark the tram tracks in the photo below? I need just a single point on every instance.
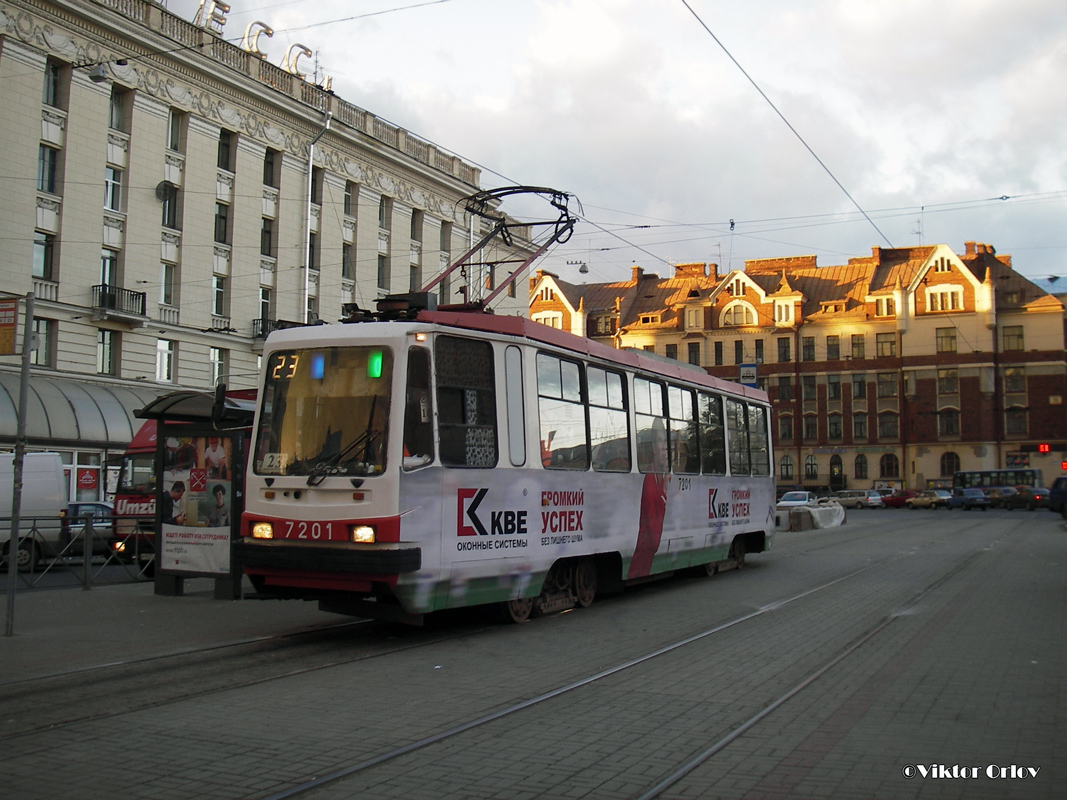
(682, 769)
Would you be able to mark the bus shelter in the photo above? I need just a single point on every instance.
(201, 446)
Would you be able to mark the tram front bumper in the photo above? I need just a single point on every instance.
(326, 558)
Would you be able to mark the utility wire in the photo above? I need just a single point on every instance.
(787, 123)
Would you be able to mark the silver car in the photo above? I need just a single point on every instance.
(860, 498)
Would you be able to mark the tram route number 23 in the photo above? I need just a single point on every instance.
(308, 530)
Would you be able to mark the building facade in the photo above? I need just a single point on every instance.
(894, 370)
(170, 198)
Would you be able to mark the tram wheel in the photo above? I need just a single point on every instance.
(710, 568)
(738, 552)
(518, 610)
(585, 582)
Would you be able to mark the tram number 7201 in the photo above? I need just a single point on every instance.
(307, 530)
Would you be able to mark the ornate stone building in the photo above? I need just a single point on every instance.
(170, 198)
(895, 369)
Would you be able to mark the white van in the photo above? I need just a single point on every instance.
(44, 501)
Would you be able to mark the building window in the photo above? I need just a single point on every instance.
(383, 272)
(117, 112)
(888, 426)
(219, 360)
(44, 245)
(783, 313)
(175, 128)
(317, 182)
(948, 381)
(950, 464)
(385, 213)
(889, 466)
(833, 348)
(1014, 380)
(1013, 337)
(694, 353)
(313, 252)
(112, 189)
(109, 267)
(47, 166)
(945, 339)
(168, 284)
(272, 163)
(859, 386)
(219, 304)
(807, 348)
(414, 281)
(944, 300)
(694, 319)
(785, 427)
(884, 307)
(45, 354)
(739, 351)
(165, 352)
(265, 303)
(785, 468)
(859, 346)
(948, 422)
(785, 388)
(859, 426)
(107, 352)
(738, 314)
(225, 152)
(759, 351)
(860, 466)
(783, 350)
(718, 354)
(811, 427)
(349, 202)
(886, 345)
(833, 426)
(942, 265)
(811, 468)
(672, 351)
(222, 223)
(807, 383)
(170, 209)
(1015, 422)
(266, 237)
(348, 267)
(887, 384)
(53, 84)
(833, 387)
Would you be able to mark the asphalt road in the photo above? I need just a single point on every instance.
(903, 655)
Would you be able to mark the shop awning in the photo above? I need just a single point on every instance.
(63, 412)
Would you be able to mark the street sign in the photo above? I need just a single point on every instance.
(747, 375)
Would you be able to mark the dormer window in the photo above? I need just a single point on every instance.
(649, 319)
(545, 294)
(783, 313)
(694, 319)
(736, 288)
(884, 307)
(738, 314)
(942, 265)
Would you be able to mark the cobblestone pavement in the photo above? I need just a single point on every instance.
(948, 626)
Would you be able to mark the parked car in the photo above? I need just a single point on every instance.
(968, 499)
(792, 499)
(885, 492)
(72, 523)
(1057, 496)
(1028, 497)
(899, 498)
(999, 495)
(931, 498)
(860, 498)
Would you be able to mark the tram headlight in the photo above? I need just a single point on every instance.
(362, 534)
(263, 530)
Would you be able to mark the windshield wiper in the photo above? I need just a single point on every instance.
(332, 465)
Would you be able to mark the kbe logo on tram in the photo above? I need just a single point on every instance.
(502, 522)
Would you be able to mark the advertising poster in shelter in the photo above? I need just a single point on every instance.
(197, 501)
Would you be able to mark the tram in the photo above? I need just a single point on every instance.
(451, 459)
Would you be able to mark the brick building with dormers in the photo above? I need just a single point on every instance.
(895, 369)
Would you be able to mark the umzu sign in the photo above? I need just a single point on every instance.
(472, 518)
(135, 507)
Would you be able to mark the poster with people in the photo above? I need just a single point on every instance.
(196, 518)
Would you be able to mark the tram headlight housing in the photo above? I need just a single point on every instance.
(263, 530)
(363, 534)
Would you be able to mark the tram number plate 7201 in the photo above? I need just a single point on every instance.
(293, 529)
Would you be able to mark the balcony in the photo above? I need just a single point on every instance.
(262, 328)
(119, 305)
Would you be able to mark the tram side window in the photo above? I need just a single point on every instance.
(466, 402)
(712, 435)
(758, 440)
(561, 411)
(418, 411)
(652, 451)
(685, 450)
(737, 425)
(609, 427)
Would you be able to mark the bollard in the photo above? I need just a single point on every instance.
(87, 549)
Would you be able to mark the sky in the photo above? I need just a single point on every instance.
(712, 131)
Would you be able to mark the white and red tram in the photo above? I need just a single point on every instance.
(456, 459)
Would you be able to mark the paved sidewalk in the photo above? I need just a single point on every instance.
(59, 630)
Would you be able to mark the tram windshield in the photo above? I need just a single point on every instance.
(324, 411)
